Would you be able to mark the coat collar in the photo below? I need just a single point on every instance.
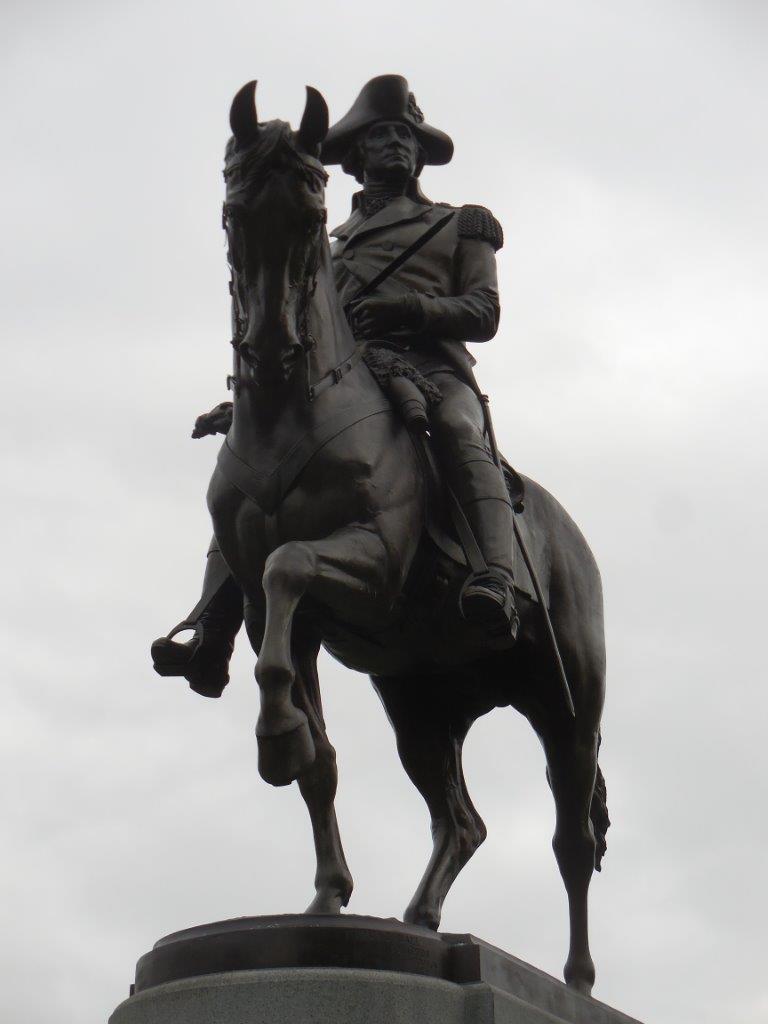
(399, 211)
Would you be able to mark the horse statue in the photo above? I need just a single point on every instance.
(325, 512)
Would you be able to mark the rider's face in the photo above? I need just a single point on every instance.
(390, 151)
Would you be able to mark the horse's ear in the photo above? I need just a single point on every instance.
(314, 121)
(242, 115)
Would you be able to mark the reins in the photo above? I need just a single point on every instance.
(307, 281)
(308, 340)
(333, 376)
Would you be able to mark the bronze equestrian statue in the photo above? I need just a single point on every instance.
(330, 524)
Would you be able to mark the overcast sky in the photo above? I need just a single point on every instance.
(623, 146)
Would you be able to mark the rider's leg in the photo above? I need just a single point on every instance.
(457, 426)
(216, 619)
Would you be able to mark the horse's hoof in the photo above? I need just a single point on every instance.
(327, 904)
(580, 977)
(423, 917)
(284, 757)
(581, 986)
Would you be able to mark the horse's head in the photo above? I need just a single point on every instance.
(274, 215)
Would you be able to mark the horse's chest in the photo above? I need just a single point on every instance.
(331, 491)
(336, 486)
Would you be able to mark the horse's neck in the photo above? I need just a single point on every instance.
(332, 339)
(264, 417)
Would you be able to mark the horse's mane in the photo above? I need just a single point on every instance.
(244, 166)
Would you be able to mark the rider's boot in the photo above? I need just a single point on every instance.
(204, 660)
(488, 599)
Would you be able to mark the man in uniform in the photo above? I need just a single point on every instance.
(443, 295)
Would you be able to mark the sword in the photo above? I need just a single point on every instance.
(566, 690)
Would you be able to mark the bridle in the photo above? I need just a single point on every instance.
(306, 282)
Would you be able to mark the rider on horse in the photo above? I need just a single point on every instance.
(444, 294)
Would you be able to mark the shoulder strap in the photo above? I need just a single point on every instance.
(478, 222)
(405, 255)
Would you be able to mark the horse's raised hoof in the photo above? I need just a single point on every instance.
(282, 758)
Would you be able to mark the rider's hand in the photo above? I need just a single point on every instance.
(376, 318)
(217, 421)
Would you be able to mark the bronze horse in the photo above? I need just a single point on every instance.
(320, 505)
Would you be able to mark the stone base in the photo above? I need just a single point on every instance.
(343, 970)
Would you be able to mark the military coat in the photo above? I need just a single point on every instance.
(453, 276)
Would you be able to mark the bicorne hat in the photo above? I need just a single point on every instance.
(385, 98)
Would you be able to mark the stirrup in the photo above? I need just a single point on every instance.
(497, 616)
(173, 659)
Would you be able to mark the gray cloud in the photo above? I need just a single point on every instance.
(623, 148)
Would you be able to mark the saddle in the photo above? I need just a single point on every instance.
(449, 532)
(413, 395)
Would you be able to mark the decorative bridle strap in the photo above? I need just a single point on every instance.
(335, 375)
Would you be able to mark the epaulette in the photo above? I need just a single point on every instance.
(477, 222)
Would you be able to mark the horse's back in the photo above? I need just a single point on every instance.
(563, 543)
(575, 601)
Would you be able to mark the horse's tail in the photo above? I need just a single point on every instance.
(598, 812)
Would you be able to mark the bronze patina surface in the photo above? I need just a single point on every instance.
(331, 529)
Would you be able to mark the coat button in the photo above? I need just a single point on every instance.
(388, 246)
(349, 255)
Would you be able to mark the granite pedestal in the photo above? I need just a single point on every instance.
(343, 970)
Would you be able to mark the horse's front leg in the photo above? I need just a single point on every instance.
(286, 747)
(333, 881)
(350, 560)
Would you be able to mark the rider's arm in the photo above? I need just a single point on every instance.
(472, 314)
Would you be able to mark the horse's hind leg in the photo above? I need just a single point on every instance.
(571, 751)
(333, 882)
(430, 729)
